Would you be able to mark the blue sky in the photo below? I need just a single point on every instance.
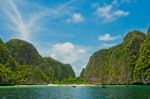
(71, 30)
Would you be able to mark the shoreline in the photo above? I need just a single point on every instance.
(72, 85)
(78, 85)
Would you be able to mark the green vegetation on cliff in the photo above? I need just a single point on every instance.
(61, 71)
(26, 54)
(77, 80)
(122, 63)
(142, 68)
(26, 74)
(82, 73)
(20, 63)
(128, 62)
(5, 57)
(5, 74)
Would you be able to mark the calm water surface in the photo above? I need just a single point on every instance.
(96, 92)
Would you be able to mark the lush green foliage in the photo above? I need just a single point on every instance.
(29, 75)
(5, 57)
(5, 74)
(97, 63)
(82, 73)
(72, 81)
(61, 71)
(127, 62)
(3, 53)
(142, 69)
(116, 64)
(27, 66)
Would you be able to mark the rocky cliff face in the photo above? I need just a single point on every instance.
(142, 68)
(24, 52)
(61, 71)
(117, 64)
(21, 60)
(82, 73)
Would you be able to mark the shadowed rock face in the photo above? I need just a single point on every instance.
(24, 52)
(118, 64)
(61, 71)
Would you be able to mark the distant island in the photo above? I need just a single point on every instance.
(125, 63)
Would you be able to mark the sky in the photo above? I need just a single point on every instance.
(72, 30)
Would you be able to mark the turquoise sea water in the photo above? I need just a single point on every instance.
(66, 92)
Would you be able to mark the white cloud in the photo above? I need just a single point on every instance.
(16, 19)
(120, 13)
(108, 37)
(82, 51)
(67, 52)
(76, 18)
(110, 12)
(64, 48)
(107, 45)
(25, 24)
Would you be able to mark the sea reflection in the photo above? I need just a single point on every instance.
(46, 92)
